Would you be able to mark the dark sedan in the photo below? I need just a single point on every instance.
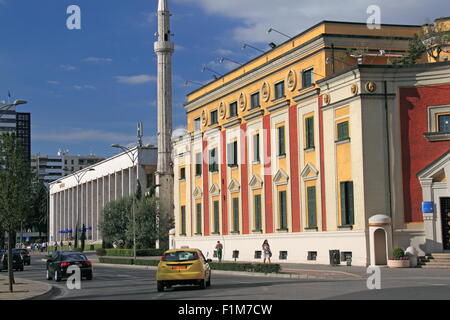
(60, 261)
(25, 255)
(17, 261)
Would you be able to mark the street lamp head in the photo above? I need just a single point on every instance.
(91, 169)
(116, 146)
(19, 102)
(270, 30)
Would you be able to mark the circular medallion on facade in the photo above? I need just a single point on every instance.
(326, 98)
(371, 86)
(242, 102)
(291, 80)
(265, 92)
(222, 110)
(204, 118)
(354, 88)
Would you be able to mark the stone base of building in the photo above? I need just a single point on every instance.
(305, 247)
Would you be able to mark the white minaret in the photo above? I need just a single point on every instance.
(164, 49)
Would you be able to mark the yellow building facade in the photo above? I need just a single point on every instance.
(263, 159)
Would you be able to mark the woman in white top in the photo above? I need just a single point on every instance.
(266, 251)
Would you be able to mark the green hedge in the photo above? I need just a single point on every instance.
(246, 267)
(226, 266)
(116, 260)
(130, 253)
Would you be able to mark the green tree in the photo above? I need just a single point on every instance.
(416, 50)
(114, 220)
(37, 220)
(15, 185)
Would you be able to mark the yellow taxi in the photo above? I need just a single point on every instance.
(183, 266)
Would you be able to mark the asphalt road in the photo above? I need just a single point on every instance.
(127, 283)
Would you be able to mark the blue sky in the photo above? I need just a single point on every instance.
(87, 88)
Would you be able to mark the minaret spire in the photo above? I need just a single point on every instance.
(164, 49)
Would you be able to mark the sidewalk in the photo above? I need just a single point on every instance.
(288, 270)
(24, 289)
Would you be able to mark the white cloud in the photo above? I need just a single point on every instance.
(179, 132)
(67, 67)
(82, 135)
(292, 17)
(84, 86)
(53, 82)
(97, 60)
(137, 79)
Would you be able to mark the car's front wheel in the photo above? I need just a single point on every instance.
(48, 276)
(208, 284)
(203, 284)
(160, 286)
(89, 276)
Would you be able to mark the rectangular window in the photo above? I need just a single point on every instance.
(307, 78)
(279, 90)
(214, 117)
(256, 148)
(309, 131)
(182, 173)
(197, 124)
(216, 216)
(198, 164)
(281, 141)
(342, 131)
(213, 163)
(444, 123)
(254, 101)
(283, 210)
(235, 214)
(347, 212)
(183, 220)
(232, 154)
(258, 226)
(199, 218)
(312, 218)
(233, 109)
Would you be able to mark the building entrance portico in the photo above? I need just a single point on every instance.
(436, 204)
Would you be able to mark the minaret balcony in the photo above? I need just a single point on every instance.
(164, 46)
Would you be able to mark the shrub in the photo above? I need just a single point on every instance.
(100, 252)
(141, 262)
(139, 252)
(398, 253)
(116, 260)
(246, 267)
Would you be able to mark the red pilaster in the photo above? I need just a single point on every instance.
(244, 180)
(223, 187)
(293, 150)
(267, 174)
(205, 190)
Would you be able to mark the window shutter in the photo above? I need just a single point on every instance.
(343, 205)
(282, 209)
(350, 209)
(199, 218)
(256, 147)
(183, 220)
(236, 214)
(312, 218)
(258, 212)
(235, 153)
(281, 141)
(310, 132)
(216, 216)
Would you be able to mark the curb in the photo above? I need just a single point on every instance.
(44, 296)
(224, 272)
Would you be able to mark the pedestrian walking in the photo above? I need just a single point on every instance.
(219, 249)
(70, 245)
(266, 250)
(56, 245)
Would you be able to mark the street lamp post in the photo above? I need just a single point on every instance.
(134, 157)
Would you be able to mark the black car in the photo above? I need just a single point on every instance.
(25, 254)
(60, 261)
(18, 264)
